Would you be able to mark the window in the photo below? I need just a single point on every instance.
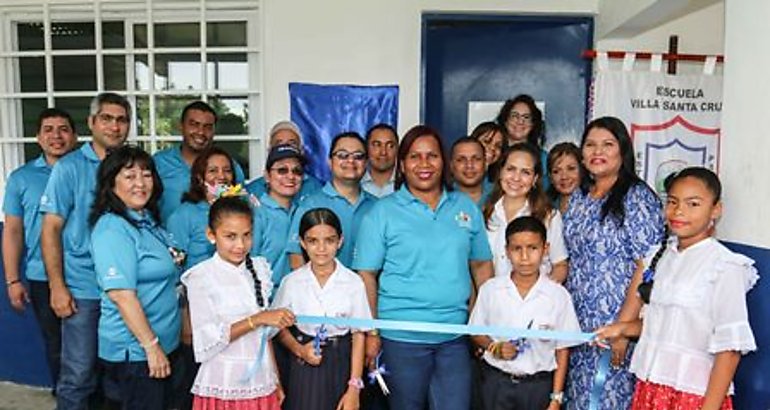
(160, 55)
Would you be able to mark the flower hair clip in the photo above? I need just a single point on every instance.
(223, 191)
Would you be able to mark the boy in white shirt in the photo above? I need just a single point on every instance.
(524, 374)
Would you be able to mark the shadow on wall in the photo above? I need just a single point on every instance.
(22, 359)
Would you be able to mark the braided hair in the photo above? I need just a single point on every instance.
(232, 205)
(645, 288)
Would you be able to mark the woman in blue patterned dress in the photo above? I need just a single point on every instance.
(610, 225)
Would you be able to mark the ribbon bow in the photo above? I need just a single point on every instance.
(523, 344)
(222, 190)
(377, 373)
(320, 339)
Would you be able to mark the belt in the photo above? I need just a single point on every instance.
(520, 378)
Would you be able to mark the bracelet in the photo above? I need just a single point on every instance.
(251, 322)
(557, 397)
(356, 382)
(151, 343)
(12, 282)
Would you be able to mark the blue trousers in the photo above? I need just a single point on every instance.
(78, 374)
(436, 375)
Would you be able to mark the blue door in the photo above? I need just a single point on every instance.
(493, 58)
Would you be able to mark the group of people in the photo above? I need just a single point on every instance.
(167, 281)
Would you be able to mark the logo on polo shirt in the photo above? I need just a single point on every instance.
(463, 220)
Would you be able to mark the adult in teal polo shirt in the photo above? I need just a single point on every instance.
(420, 250)
(21, 231)
(275, 208)
(197, 129)
(140, 323)
(187, 224)
(66, 248)
(469, 170)
(283, 133)
(343, 195)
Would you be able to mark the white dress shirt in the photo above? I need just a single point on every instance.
(548, 306)
(343, 295)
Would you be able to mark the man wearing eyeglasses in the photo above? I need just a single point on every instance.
(343, 195)
(66, 247)
(197, 127)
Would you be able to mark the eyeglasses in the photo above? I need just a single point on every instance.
(285, 171)
(517, 116)
(109, 119)
(354, 156)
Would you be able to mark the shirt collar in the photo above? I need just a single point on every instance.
(673, 245)
(538, 287)
(88, 151)
(405, 196)
(499, 211)
(225, 264)
(368, 177)
(40, 162)
(330, 191)
(266, 200)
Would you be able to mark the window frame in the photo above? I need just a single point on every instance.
(130, 13)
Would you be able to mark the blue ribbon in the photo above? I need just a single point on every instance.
(320, 338)
(445, 328)
(261, 354)
(600, 378)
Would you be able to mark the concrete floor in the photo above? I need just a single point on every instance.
(19, 397)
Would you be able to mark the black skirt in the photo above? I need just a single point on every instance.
(319, 387)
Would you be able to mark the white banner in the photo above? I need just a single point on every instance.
(674, 121)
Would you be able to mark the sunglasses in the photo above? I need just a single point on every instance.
(344, 155)
(285, 171)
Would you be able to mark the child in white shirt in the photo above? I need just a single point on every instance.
(228, 296)
(326, 373)
(524, 374)
(694, 327)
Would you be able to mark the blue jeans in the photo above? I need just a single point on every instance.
(78, 374)
(434, 374)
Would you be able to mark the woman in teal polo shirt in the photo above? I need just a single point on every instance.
(139, 324)
(420, 251)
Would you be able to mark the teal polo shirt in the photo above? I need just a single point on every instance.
(23, 190)
(486, 189)
(271, 235)
(187, 228)
(69, 194)
(175, 175)
(136, 258)
(350, 216)
(310, 185)
(422, 256)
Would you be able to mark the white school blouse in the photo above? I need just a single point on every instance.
(547, 305)
(557, 251)
(343, 295)
(697, 309)
(221, 294)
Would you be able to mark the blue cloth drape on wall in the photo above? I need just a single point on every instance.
(323, 111)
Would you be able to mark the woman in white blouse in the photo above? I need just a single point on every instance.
(518, 192)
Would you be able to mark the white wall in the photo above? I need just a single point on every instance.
(700, 32)
(745, 165)
(370, 42)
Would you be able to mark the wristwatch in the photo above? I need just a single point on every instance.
(558, 397)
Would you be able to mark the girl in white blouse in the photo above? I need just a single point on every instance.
(326, 371)
(228, 296)
(518, 191)
(695, 325)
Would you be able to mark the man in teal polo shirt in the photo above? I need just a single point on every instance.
(343, 195)
(469, 170)
(420, 252)
(173, 164)
(21, 232)
(66, 248)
